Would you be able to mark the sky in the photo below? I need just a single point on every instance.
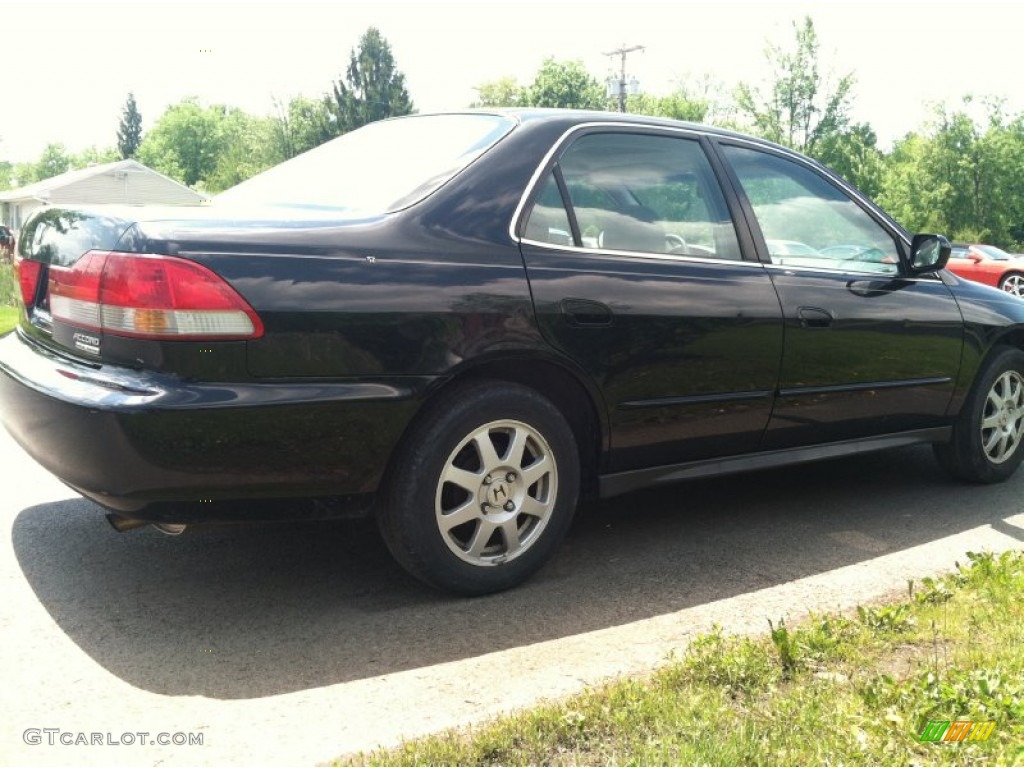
(67, 67)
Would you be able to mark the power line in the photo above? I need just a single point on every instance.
(621, 85)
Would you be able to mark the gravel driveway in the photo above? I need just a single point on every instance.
(294, 644)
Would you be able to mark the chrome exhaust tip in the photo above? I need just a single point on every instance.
(122, 524)
(171, 529)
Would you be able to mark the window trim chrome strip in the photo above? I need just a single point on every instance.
(641, 254)
(863, 275)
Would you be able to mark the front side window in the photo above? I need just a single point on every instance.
(637, 193)
(808, 222)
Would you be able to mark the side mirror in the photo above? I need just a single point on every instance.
(928, 253)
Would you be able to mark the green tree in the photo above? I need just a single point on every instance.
(960, 176)
(301, 125)
(210, 148)
(854, 154)
(677, 106)
(24, 174)
(566, 84)
(54, 161)
(957, 166)
(906, 194)
(798, 108)
(706, 89)
(1011, 180)
(129, 131)
(249, 147)
(504, 92)
(372, 89)
(94, 156)
(186, 142)
(6, 174)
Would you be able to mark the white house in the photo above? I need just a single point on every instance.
(124, 182)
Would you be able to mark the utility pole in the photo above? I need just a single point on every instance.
(620, 88)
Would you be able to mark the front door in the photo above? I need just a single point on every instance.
(867, 351)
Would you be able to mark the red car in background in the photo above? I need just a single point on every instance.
(989, 265)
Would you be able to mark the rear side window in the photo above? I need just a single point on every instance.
(807, 221)
(636, 193)
(549, 221)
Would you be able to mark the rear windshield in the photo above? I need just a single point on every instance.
(379, 168)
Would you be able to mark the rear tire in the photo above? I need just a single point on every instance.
(988, 436)
(483, 490)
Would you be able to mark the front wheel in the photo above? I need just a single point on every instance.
(1013, 283)
(483, 490)
(988, 436)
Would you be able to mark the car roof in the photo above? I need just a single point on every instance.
(570, 117)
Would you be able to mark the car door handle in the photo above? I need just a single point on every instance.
(815, 317)
(586, 312)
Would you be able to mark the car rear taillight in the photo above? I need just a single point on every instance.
(28, 279)
(150, 297)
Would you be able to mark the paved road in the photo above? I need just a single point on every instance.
(294, 644)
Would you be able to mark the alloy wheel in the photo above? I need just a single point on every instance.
(1014, 284)
(496, 493)
(1002, 423)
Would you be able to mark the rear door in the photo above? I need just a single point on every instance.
(638, 276)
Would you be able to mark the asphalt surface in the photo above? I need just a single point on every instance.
(290, 645)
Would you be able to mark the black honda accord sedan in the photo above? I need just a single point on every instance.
(461, 323)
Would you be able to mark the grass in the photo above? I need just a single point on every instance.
(857, 690)
(8, 298)
(8, 319)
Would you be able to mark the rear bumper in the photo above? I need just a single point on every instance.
(136, 441)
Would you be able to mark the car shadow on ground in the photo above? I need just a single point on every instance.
(252, 611)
